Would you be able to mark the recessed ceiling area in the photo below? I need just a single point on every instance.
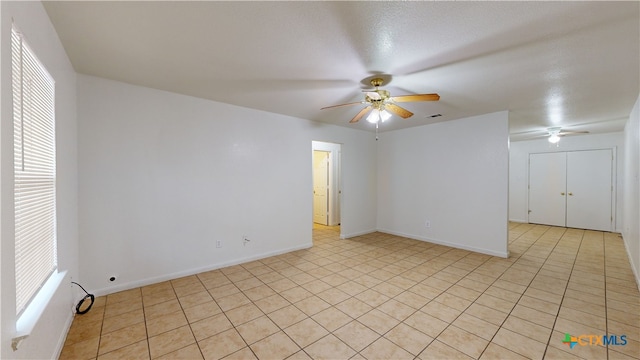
(575, 65)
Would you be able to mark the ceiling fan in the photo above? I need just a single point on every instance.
(554, 134)
(382, 104)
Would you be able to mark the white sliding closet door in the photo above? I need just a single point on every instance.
(589, 189)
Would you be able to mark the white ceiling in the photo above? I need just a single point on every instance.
(569, 64)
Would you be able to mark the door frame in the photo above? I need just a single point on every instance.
(335, 179)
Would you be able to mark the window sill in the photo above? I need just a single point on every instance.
(29, 318)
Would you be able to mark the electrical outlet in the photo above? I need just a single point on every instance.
(427, 224)
(218, 243)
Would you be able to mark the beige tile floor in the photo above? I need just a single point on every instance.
(380, 296)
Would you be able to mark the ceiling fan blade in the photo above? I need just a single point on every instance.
(417, 97)
(360, 114)
(402, 112)
(335, 106)
(537, 136)
(572, 132)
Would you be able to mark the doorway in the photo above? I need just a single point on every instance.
(326, 183)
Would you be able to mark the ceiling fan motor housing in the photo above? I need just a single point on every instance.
(377, 82)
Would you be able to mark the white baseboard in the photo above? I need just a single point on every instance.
(504, 254)
(63, 335)
(347, 236)
(176, 275)
(631, 263)
(518, 221)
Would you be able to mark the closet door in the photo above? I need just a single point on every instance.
(547, 188)
(589, 189)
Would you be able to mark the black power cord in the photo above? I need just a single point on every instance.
(79, 308)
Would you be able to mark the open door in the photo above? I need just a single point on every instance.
(327, 193)
(321, 187)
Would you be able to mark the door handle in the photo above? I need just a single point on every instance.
(562, 194)
(570, 194)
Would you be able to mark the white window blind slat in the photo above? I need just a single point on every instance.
(34, 172)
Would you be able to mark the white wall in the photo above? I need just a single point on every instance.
(164, 176)
(454, 174)
(46, 340)
(519, 168)
(631, 183)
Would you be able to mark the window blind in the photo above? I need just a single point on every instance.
(34, 171)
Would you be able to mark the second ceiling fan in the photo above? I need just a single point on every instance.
(380, 101)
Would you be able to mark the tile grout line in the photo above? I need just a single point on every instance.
(384, 281)
(417, 310)
(185, 314)
(332, 306)
(432, 300)
(231, 322)
(527, 287)
(101, 328)
(516, 303)
(353, 319)
(451, 323)
(144, 318)
(483, 292)
(473, 302)
(293, 304)
(555, 320)
(606, 306)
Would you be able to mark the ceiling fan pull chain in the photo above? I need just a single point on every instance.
(376, 131)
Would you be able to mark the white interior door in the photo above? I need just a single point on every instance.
(547, 188)
(320, 187)
(589, 189)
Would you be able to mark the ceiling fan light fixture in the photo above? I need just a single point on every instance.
(554, 138)
(384, 115)
(554, 132)
(376, 116)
